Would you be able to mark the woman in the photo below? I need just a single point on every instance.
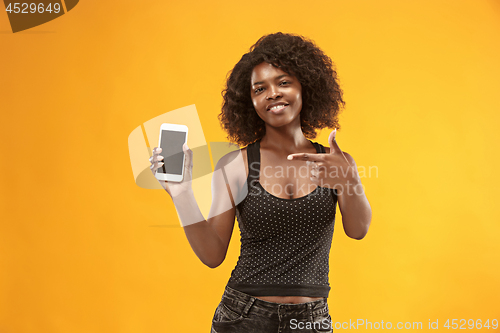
(282, 187)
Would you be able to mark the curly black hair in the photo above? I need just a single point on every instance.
(321, 94)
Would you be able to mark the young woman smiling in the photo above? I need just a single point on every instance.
(276, 98)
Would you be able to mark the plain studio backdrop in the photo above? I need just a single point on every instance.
(84, 249)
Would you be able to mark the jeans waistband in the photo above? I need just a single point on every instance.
(250, 303)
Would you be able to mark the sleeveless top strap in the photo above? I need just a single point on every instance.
(319, 148)
(253, 158)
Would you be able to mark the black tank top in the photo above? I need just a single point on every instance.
(285, 243)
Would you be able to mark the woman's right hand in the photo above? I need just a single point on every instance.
(174, 188)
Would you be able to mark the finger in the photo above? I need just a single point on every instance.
(306, 157)
(314, 173)
(155, 158)
(157, 151)
(155, 166)
(313, 178)
(312, 164)
(334, 147)
(189, 155)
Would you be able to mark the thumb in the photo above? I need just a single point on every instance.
(331, 140)
(188, 153)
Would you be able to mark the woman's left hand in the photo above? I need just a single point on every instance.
(338, 170)
(335, 170)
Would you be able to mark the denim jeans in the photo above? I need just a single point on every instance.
(240, 312)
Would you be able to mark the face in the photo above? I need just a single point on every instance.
(276, 96)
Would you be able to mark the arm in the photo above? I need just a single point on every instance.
(208, 238)
(353, 204)
(336, 169)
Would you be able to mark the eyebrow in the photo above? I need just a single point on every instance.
(276, 78)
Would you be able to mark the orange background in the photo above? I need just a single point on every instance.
(83, 249)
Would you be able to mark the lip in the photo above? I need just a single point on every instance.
(278, 110)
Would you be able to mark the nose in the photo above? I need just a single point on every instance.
(273, 92)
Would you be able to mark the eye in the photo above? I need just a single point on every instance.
(284, 83)
(258, 90)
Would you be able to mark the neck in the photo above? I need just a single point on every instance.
(284, 139)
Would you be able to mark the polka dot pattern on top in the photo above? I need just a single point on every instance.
(285, 243)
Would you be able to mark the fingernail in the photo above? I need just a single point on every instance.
(160, 164)
(289, 157)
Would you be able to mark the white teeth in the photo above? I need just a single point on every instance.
(276, 107)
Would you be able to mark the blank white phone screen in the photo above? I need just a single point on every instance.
(171, 145)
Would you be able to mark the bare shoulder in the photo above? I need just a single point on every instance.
(234, 164)
(233, 157)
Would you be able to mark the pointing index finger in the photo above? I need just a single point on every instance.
(305, 157)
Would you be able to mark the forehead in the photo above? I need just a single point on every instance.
(266, 71)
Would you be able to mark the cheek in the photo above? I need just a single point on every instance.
(298, 99)
(254, 102)
(257, 103)
(257, 107)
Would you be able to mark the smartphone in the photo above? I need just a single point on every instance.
(172, 137)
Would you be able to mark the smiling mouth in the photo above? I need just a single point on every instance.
(277, 107)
